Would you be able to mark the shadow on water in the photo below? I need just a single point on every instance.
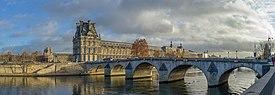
(221, 90)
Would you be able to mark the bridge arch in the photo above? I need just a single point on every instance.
(179, 72)
(224, 77)
(145, 69)
(97, 70)
(118, 70)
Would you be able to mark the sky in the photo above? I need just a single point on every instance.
(200, 25)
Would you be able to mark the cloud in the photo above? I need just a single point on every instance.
(44, 30)
(44, 35)
(4, 24)
(76, 8)
(60, 43)
(212, 25)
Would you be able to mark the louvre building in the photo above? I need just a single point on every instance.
(88, 45)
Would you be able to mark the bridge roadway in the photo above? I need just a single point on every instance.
(216, 70)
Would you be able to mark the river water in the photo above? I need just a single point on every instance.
(193, 84)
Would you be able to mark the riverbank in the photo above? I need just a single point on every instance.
(47, 69)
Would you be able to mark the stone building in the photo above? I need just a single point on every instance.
(48, 55)
(177, 52)
(51, 57)
(88, 45)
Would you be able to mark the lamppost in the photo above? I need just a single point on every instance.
(236, 54)
(205, 54)
(227, 54)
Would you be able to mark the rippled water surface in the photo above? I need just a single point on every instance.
(193, 84)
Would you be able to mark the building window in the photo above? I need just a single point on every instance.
(93, 50)
(89, 57)
(93, 57)
(84, 57)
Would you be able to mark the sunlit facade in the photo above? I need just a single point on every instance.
(88, 45)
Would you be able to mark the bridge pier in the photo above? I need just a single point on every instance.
(107, 72)
(213, 81)
(163, 76)
(163, 73)
(129, 74)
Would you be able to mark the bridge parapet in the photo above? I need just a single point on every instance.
(185, 60)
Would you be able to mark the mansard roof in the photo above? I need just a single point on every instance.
(115, 43)
(86, 28)
(125, 44)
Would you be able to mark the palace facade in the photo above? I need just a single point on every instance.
(88, 45)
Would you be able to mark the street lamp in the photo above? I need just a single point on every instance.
(227, 54)
(236, 54)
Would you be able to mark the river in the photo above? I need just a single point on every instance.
(193, 84)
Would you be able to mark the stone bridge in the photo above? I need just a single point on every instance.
(216, 70)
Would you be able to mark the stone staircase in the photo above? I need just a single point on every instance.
(42, 68)
(48, 69)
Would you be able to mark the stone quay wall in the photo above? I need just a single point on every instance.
(47, 69)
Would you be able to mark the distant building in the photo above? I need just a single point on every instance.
(203, 55)
(51, 57)
(178, 52)
(48, 55)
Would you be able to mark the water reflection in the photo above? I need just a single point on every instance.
(76, 90)
(193, 84)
